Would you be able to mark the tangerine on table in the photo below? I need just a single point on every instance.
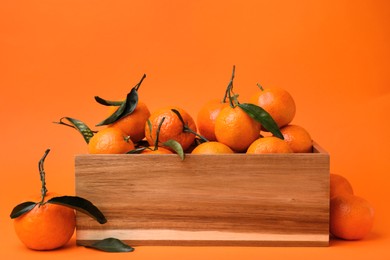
(207, 116)
(212, 148)
(269, 144)
(133, 124)
(298, 138)
(47, 226)
(236, 129)
(277, 102)
(351, 217)
(339, 185)
(172, 127)
(110, 140)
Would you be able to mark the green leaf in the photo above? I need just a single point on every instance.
(137, 150)
(80, 126)
(263, 117)
(126, 108)
(106, 102)
(176, 146)
(22, 208)
(80, 204)
(111, 245)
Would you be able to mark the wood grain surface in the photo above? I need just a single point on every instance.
(232, 199)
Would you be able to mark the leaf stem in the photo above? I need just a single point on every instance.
(42, 175)
(260, 86)
(158, 134)
(189, 130)
(229, 89)
(186, 128)
(61, 122)
(140, 82)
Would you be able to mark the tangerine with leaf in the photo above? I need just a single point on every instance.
(178, 125)
(238, 125)
(129, 115)
(110, 140)
(277, 102)
(49, 222)
(157, 148)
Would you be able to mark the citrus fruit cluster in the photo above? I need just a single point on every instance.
(223, 126)
(263, 125)
(351, 217)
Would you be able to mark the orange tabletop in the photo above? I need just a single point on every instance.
(332, 56)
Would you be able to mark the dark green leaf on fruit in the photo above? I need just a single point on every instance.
(263, 117)
(80, 204)
(22, 208)
(126, 108)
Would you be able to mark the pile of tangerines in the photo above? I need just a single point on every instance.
(263, 125)
(223, 126)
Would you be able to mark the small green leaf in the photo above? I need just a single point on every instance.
(263, 117)
(80, 204)
(176, 146)
(106, 102)
(126, 108)
(111, 245)
(22, 208)
(80, 126)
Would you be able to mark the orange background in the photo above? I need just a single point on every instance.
(332, 56)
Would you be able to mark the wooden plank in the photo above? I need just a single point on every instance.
(236, 199)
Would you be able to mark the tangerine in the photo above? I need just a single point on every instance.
(298, 138)
(133, 124)
(351, 217)
(207, 116)
(110, 140)
(277, 102)
(269, 144)
(159, 150)
(212, 148)
(339, 185)
(236, 129)
(47, 226)
(172, 128)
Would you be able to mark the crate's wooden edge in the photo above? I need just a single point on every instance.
(201, 238)
(136, 243)
(317, 151)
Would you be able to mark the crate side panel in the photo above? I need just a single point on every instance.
(226, 194)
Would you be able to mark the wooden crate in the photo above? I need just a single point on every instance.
(232, 199)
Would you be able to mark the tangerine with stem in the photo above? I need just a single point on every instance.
(233, 126)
